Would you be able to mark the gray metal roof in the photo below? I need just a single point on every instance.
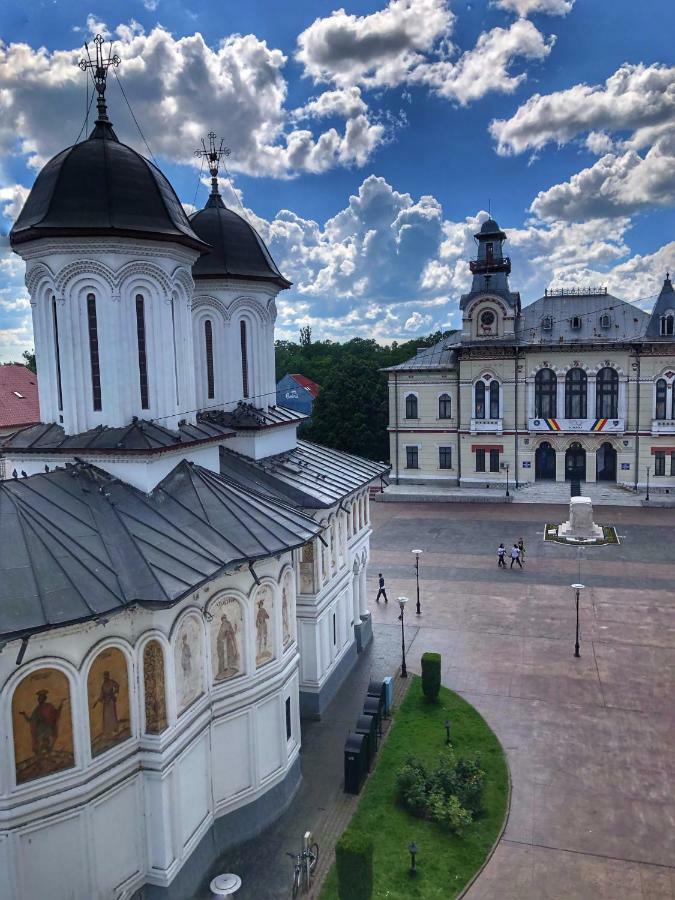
(76, 543)
(247, 416)
(310, 476)
(627, 322)
(140, 436)
(439, 356)
(665, 303)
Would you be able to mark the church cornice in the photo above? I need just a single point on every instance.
(117, 246)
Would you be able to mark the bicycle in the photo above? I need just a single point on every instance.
(305, 864)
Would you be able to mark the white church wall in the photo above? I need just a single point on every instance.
(266, 442)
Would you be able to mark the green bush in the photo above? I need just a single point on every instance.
(451, 794)
(354, 859)
(431, 675)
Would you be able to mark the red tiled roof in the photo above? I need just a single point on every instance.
(307, 383)
(17, 411)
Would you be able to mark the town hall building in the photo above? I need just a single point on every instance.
(578, 385)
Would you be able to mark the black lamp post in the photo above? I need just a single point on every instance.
(402, 602)
(647, 494)
(418, 553)
(447, 732)
(577, 588)
(507, 480)
(412, 849)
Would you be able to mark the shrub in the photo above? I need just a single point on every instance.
(354, 859)
(431, 675)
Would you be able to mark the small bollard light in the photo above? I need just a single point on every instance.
(412, 848)
(447, 731)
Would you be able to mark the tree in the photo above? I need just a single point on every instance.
(305, 336)
(29, 360)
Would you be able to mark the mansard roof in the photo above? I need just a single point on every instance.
(626, 321)
(439, 356)
(664, 304)
(77, 544)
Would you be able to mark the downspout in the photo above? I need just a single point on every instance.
(637, 418)
(515, 407)
(396, 422)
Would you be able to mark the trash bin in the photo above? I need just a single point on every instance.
(388, 683)
(377, 689)
(372, 708)
(368, 726)
(356, 762)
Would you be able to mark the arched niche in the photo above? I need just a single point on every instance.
(108, 700)
(154, 687)
(227, 636)
(263, 613)
(287, 608)
(42, 725)
(188, 650)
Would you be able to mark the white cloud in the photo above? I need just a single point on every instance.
(377, 49)
(151, 5)
(525, 8)
(178, 88)
(417, 321)
(12, 199)
(599, 142)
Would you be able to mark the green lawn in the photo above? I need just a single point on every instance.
(445, 862)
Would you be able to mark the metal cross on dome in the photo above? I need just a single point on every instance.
(213, 154)
(99, 67)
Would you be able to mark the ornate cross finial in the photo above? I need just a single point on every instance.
(100, 67)
(213, 154)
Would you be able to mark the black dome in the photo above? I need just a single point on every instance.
(237, 250)
(102, 187)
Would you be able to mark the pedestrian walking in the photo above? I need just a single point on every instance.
(515, 556)
(501, 553)
(521, 550)
(382, 590)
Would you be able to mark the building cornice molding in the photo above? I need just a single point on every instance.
(129, 247)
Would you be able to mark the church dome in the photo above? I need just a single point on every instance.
(101, 187)
(237, 250)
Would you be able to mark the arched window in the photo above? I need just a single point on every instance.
(142, 355)
(208, 346)
(243, 342)
(607, 394)
(93, 352)
(479, 405)
(494, 399)
(545, 394)
(57, 356)
(444, 407)
(575, 394)
(661, 389)
(411, 406)
(667, 324)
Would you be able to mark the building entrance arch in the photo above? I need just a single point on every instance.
(606, 462)
(575, 462)
(544, 462)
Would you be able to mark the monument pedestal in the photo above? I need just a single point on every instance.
(581, 525)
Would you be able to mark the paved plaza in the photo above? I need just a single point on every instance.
(590, 741)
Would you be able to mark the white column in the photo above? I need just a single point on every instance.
(355, 597)
(529, 386)
(318, 553)
(591, 465)
(559, 465)
(622, 406)
(363, 601)
(560, 397)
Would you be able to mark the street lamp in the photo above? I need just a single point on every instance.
(402, 602)
(418, 553)
(507, 480)
(447, 731)
(647, 494)
(412, 849)
(577, 588)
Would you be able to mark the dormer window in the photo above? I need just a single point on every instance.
(576, 322)
(547, 323)
(605, 320)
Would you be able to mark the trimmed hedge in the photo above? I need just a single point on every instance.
(431, 675)
(354, 858)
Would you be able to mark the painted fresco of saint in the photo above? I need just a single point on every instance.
(226, 648)
(41, 719)
(262, 618)
(108, 692)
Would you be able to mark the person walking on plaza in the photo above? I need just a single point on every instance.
(521, 550)
(501, 553)
(381, 590)
(515, 556)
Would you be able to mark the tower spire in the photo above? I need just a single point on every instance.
(213, 154)
(99, 67)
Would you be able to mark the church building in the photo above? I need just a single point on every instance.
(576, 385)
(181, 578)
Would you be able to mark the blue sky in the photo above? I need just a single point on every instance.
(368, 139)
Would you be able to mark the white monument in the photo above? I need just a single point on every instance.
(581, 526)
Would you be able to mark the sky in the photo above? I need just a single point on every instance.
(369, 140)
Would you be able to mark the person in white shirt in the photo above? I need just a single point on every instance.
(515, 556)
(501, 553)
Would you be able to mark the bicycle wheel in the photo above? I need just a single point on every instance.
(314, 856)
(296, 882)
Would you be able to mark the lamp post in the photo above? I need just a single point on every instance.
(418, 553)
(577, 588)
(647, 494)
(507, 480)
(447, 731)
(412, 849)
(402, 602)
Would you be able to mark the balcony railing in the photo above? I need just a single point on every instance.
(663, 426)
(495, 264)
(493, 425)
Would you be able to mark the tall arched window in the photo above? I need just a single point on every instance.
(494, 399)
(444, 407)
(667, 324)
(607, 394)
(545, 394)
(479, 404)
(208, 349)
(575, 394)
(411, 406)
(142, 355)
(57, 356)
(243, 342)
(93, 352)
(661, 393)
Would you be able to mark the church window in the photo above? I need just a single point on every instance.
(545, 394)
(489, 251)
(547, 323)
(208, 346)
(660, 463)
(667, 324)
(57, 355)
(661, 389)
(445, 457)
(142, 352)
(412, 458)
(494, 460)
(444, 407)
(480, 460)
(479, 403)
(411, 406)
(575, 394)
(289, 729)
(243, 343)
(93, 352)
(607, 394)
(576, 322)
(487, 319)
(494, 400)
(175, 348)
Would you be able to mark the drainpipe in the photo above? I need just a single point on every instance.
(637, 418)
(396, 422)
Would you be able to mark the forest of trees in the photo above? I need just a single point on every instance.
(351, 410)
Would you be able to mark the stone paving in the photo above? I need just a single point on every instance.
(590, 741)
